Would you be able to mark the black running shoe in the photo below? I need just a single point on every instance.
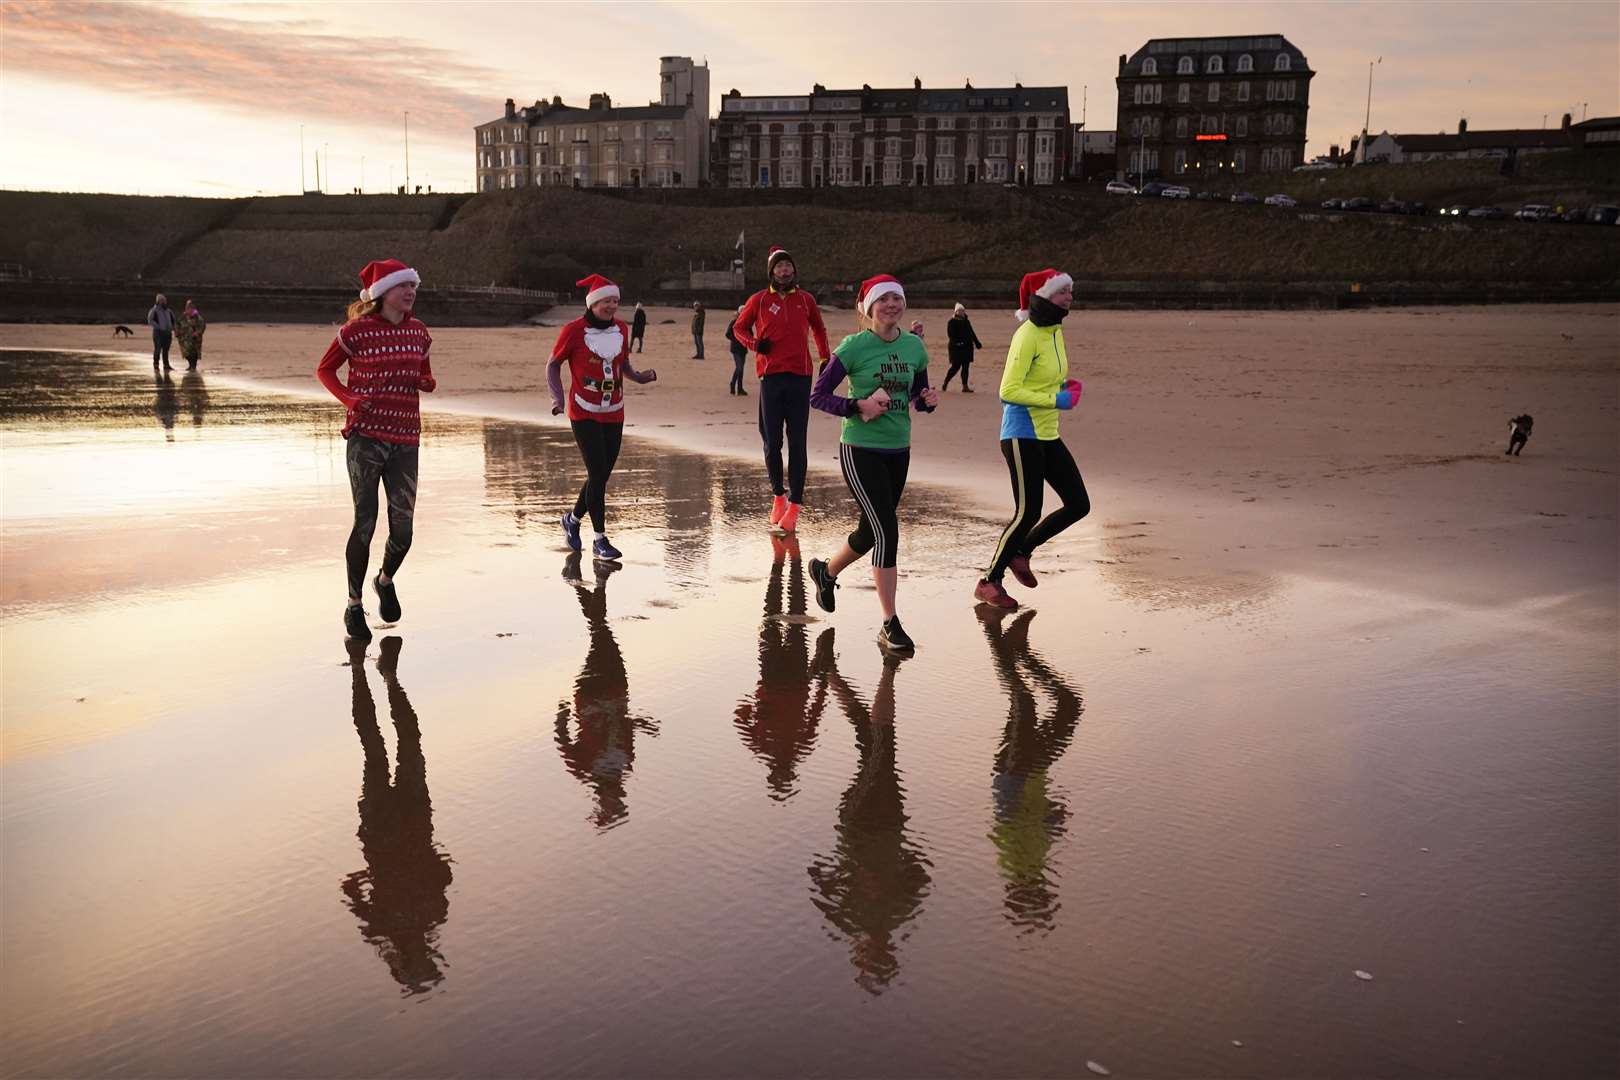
(354, 623)
(601, 549)
(825, 583)
(893, 636)
(387, 599)
(570, 525)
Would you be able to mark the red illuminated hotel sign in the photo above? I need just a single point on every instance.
(1210, 138)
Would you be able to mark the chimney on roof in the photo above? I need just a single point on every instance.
(556, 101)
(1122, 63)
(866, 86)
(916, 83)
(969, 84)
(818, 89)
(511, 108)
(1462, 126)
(1565, 124)
(601, 101)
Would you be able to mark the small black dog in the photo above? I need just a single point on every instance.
(123, 331)
(1519, 433)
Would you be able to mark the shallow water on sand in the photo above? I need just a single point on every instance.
(670, 819)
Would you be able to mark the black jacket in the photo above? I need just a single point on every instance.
(638, 324)
(962, 340)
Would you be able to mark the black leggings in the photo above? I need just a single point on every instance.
(958, 365)
(599, 446)
(739, 356)
(876, 478)
(1032, 463)
(369, 461)
(784, 402)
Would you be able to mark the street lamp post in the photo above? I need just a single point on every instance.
(1367, 123)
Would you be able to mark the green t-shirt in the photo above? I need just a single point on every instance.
(870, 362)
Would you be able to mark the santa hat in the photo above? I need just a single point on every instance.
(875, 288)
(597, 288)
(1043, 283)
(777, 255)
(383, 274)
(959, 310)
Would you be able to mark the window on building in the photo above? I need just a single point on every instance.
(790, 174)
(635, 131)
(790, 149)
(871, 124)
(891, 147)
(945, 146)
(1214, 91)
(610, 156)
(1283, 63)
(1043, 144)
(944, 170)
(1184, 66)
(611, 133)
(995, 146)
(1181, 162)
(1243, 91)
(661, 152)
(1150, 66)
(892, 124)
(998, 122)
(1184, 93)
(1181, 127)
(581, 156)
(1238, 157)
(1245, 63)
(891, 172)
(1242, 126)
(1215, 65)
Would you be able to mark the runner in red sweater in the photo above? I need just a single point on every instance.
(386, 348)
(776, 323)
(596, 348)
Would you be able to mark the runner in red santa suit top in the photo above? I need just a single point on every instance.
(596, 349)
(777, 325)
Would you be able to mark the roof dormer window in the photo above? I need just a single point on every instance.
(1150, 66)
(1245, 62)
(1214, 66)
(1282, 62)
(1184, 66)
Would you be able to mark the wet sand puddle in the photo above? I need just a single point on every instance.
(670, 819)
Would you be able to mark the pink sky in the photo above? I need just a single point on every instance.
(207, 98)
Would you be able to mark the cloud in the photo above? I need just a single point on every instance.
(275, 62)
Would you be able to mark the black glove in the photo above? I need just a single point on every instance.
(763, 346)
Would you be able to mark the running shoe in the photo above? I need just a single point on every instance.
(354, 623)
(779, 505)
(825, 583)
(570, 525)
(1020, 570)
(387, 599)
(991, 592)
(790, 519)
(894, 637)
(601, 549)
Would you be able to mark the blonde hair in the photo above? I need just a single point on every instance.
(359, 309)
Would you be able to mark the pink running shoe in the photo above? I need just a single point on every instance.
(779, 505)
(790, 519)
(1020, 570)
(991, 592)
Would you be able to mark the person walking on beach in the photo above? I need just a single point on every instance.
(961, 343)
(1519, 433)
(1035, 387)
(160, 317)
(190, 332)
(739, 354)
(596, 349)
(776, 323)
(386, 347)
(888, 375)
(698, 315)
(638, 327)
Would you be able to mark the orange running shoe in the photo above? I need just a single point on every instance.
(790, 519)
(1020, 570)
(779, 505)
(991, 592)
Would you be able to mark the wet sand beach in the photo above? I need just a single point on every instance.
(673, 820)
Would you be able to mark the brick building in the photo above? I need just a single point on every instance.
(602, 145)
(867, 137)
(1191, 107)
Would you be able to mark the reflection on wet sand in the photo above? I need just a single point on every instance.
(874, 881)
(1029, 818)
(600, 748)
(778, 724)
(400, 896)
(194, 396)
(165, 406)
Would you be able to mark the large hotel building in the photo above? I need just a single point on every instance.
(1203, 107)
(867, 137)
(602, 145)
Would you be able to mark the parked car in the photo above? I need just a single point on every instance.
(1489, 213)
(1360, 204)
(1392, 206)
(1534, 212)
(1333, 204)
(1177, 191)
(1458, 210)
(1603, 215)
(1245, 197)
(1120, 187)
(1280, 200)
(1152, 190)
(1575, 215)
(1205, 196)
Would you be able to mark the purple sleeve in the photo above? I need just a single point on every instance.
(919, 383)
(554, 381)
(822, 396)
(630, 372)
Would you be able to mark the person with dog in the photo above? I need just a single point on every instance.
(961, 342)
(887, 371)
(386, 347)
(190, 332)
(776, 323)
(1519, 433)
(160, 317)
(596, 349)
(1035, 388)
